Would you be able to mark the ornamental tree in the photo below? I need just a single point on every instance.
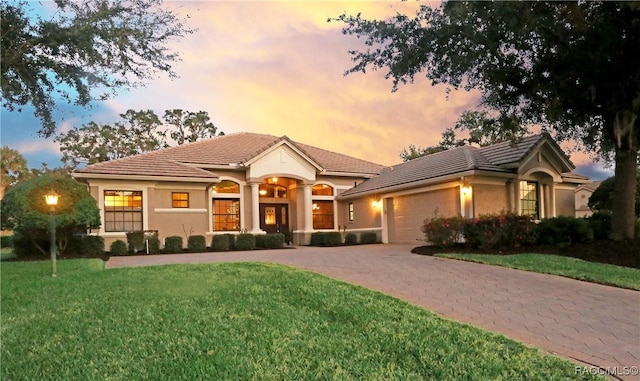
(572, 68)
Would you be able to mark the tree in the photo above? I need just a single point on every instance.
(572, 68)
(602, 198)
(23, 210)
(14, 168)
(190, 126)
(84, 46)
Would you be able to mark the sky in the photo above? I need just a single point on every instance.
(277, 67)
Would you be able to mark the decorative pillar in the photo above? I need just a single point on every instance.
(255, 208)
(308, 208)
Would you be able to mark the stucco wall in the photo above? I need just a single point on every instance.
(565, 202)
(490, 198)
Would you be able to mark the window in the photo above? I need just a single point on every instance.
(322, 214)
(179, 200)
(273, 191)
(529, 199)
(351, 212)
(322, 190)
(226, 214)
(226, 186)
(122, 211)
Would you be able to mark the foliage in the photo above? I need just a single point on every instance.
(82, 47)
(368, 237)
(260, 241)
(245, 241)
(443, 231)
(240, 321)
(274, 241)
(220, 242)
(504, 230)
(27, 246)
(92, 245)
(6, 241)
(153, 243)
(602, 199)
(23, 210)
(600, 223)
(197, 243)
(326, 239)
(119, 247)
(135, 241)
(173, 244)
(138, 132)
(350, 239)
(563, 231)
(527, 59)
(13, 168)
(232, 241)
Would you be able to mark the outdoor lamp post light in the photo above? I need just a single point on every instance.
(52, 200)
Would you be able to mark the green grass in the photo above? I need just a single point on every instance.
(558, 265)
(236, 322)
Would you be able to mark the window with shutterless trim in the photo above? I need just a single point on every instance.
(179, 199)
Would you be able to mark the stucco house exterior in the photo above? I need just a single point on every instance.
(582, 195)
(263, 184)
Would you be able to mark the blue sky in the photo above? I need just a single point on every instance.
(276, 67)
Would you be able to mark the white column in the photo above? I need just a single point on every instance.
(383, 218)
(255, 208)
(308, 208)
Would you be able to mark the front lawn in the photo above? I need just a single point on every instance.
(236, 322)
(619, 276)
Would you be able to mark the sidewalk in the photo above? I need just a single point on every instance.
(590, 323)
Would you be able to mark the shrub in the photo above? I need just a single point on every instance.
(154, 244)
(197, 243)
(288, 237)
(350, 239)
(442, 231)
(260, 241)
(24, 246)
(135, 240)
(368, 237)
(274, 241)
(220, 242)
(245, 241)
(232, 241)
(93, 245)
(563, 231)
(600, 223)
(505, 230)
(326, 239)
(173, 244)
(118, 247)
(6, 241)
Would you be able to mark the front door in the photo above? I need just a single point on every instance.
(274, 218)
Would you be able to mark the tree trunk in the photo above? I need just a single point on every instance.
(624, 197)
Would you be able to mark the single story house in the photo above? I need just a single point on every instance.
(582, 195)
(259, 183)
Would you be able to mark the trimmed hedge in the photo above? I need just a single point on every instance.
(119, 247)
(6, 241)
(600, 223)
(274, 241)
(326, 239)
(220, 242)
(196, 243)
(493, 231)
(351, 239)
(173, 244)
(93, 245)
(443, 231)
(245, 241)
(135, 241)
(260, 241)
(368, 237)
(563, 231)
(232, 241)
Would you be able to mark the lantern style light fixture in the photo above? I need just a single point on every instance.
(51, 198)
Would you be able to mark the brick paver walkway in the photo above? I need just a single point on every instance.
(590, 323)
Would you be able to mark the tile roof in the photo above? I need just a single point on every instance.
(501, 157)
(222, 151)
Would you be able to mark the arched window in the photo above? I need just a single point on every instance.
(273, 191)
(322, 190)
(226, 186)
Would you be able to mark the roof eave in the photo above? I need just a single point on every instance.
(110, 176)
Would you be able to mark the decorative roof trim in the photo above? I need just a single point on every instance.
(289, 143)
(206, 180)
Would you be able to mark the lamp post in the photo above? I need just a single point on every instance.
(52, 200)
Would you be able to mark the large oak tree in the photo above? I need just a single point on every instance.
(83, 50)
(571, 67)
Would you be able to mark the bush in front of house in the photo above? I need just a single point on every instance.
(173, 244)
(600, 223)
(135, 240)
(119, 247)
(350, 239)
(220, 242)
(6, 241)
(326, 239)
(442, 231)
(196, 243)
(245, 241)
(274, 241)
(260, 243)
(504, 230)
(154, 244)
(368, 238)
(232, 241)
(92, 245)
(563, 231)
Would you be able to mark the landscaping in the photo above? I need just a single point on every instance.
(237, 321)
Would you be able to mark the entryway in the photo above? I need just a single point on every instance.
(274, 218)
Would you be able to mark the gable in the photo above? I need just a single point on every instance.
(282, 160)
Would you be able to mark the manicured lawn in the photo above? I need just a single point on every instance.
(236, 322)
(625, 277)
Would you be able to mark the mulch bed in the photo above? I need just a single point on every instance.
(625, 253)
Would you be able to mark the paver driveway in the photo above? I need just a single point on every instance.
(590, 323)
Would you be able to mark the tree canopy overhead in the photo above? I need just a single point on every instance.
(571, 67)
(84, 50)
